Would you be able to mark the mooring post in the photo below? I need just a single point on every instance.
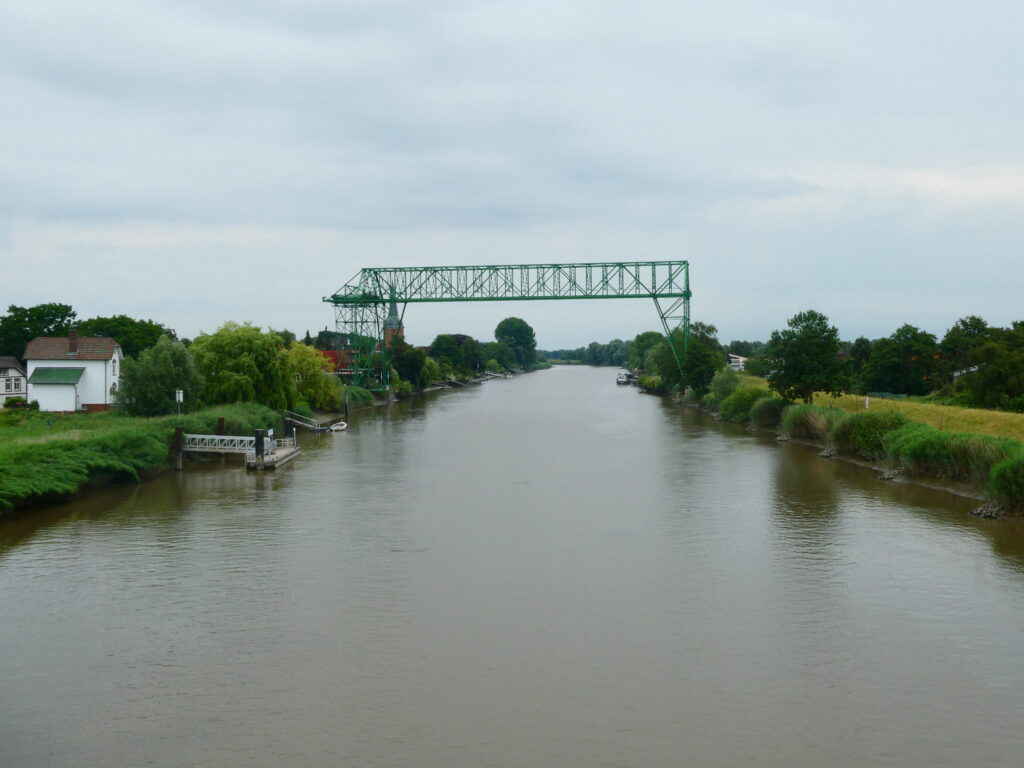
(179, 443)
(220, 425)
(259, 449)
(346, 405)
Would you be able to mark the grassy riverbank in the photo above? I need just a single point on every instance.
(47, 456)
(981, 448)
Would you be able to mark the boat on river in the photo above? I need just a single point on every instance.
(623, 378)
(338, 426)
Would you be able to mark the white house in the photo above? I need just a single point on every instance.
(72, 373)
(13, 382)
(736, 362)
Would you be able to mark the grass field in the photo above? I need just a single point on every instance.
(946, 417)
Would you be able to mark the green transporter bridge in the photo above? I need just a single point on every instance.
(366, 306)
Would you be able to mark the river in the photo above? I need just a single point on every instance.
(549, 570)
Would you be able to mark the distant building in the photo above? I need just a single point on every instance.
(13, 381)
(736, 362)
(71, 373)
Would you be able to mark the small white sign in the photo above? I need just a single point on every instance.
(179, 396)
(270, 433)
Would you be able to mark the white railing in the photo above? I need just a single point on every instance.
(219, 443)
(236, 444)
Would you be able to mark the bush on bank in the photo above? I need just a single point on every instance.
(925, 450)
(738, 405)
(121, 448)
(767, 410)
(863, 434)
(1006, 483)
(811, 422)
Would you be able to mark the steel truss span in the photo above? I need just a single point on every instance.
(362, 304)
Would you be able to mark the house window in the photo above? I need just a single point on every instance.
(8, 385)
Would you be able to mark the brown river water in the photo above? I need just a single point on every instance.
(550, 570)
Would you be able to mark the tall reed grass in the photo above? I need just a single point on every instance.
(811, 422)
(863, 434)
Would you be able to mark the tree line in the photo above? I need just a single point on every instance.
(243, 363)
(974, 364)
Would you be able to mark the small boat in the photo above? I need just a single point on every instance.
(623, 378)
(338, 426)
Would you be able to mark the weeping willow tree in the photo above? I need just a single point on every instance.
(240, 363)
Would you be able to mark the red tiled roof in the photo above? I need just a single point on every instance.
(56, 348)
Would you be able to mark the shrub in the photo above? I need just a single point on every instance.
(736, 407)
(1007, 482)
(357, 395)
(813, 422)
(651, 383)
(862, 433)
(723, 384)
(767, 410)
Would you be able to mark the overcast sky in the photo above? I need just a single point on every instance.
(197, 162)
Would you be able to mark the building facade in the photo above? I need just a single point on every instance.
(13, 381)
(72, 373)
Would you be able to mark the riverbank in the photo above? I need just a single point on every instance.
(47, 458)
(884, 436)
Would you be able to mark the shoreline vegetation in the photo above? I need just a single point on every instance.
(47, 458)
(979, 449)
(240, 374)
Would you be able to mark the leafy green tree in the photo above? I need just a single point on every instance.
(804, 358)
(519, 336)
(905, 362)
(313, 379)
(471, 353)
(431, 372)
(240, 363)
(500, 352)
(22, 324)
(286, 336)
(702, 358)
(133, 335)
(995, 378)
(445, 349)
(641, 344)
(407, 360)
(967, 335)
(700, 363)
(148, 382)
(746, 348)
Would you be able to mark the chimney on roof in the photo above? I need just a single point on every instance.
(72, 342)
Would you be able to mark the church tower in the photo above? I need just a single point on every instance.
(393, 325)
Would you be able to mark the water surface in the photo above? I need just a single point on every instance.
(543, 571)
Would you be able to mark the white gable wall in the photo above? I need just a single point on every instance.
(54, 397)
